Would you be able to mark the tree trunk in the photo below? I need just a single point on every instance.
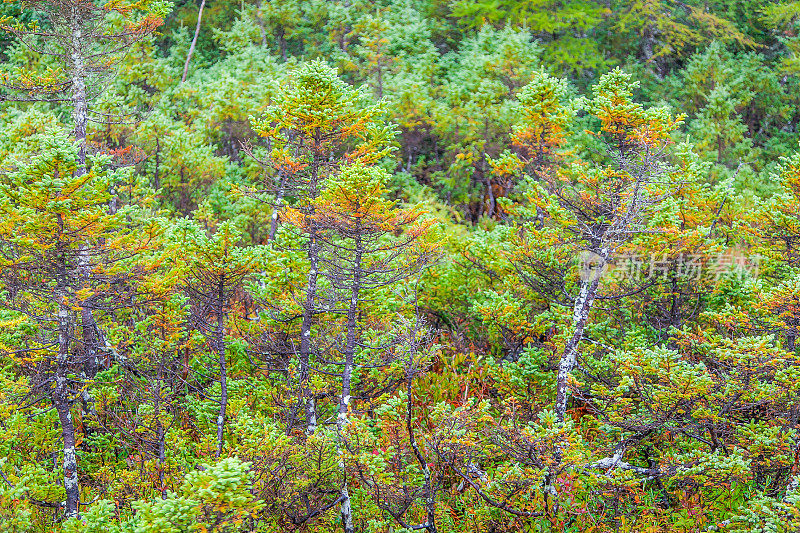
(380, 79)
(273, 225)
(648, 40)
(309, 308)
(91, 336)
(791, 335)
(79, 103)
(91, 342)
(162, 459)
(282, 43)
(583, 304)
(70, 460)
(61, 394)
(156, 176)
(487, 176)
(160, 432)
(648, 43)
(260, 22)
(305, 339)
(490, 199)
(80, 115)
(347, 373)
(223, 378)
(194, 41)
(62, 405)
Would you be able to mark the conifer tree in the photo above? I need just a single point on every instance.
(546, 117)
(360, 258)
(315, 124)
(61, 251)
(601, 207)
(282, 19)
(87, 41)
(718, 131)
(214, 272)
(484, 77)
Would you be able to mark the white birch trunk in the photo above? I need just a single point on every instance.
(194, 41)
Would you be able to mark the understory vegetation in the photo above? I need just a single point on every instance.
(404, 265)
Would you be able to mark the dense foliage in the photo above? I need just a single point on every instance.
(405, 265)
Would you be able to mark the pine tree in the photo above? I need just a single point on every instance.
(215, 268)
(315, 124)
(87, 41)
(359, 258)
(62, 251)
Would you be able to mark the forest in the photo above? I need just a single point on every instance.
(448, 266)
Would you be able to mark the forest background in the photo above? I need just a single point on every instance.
(405, 265)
